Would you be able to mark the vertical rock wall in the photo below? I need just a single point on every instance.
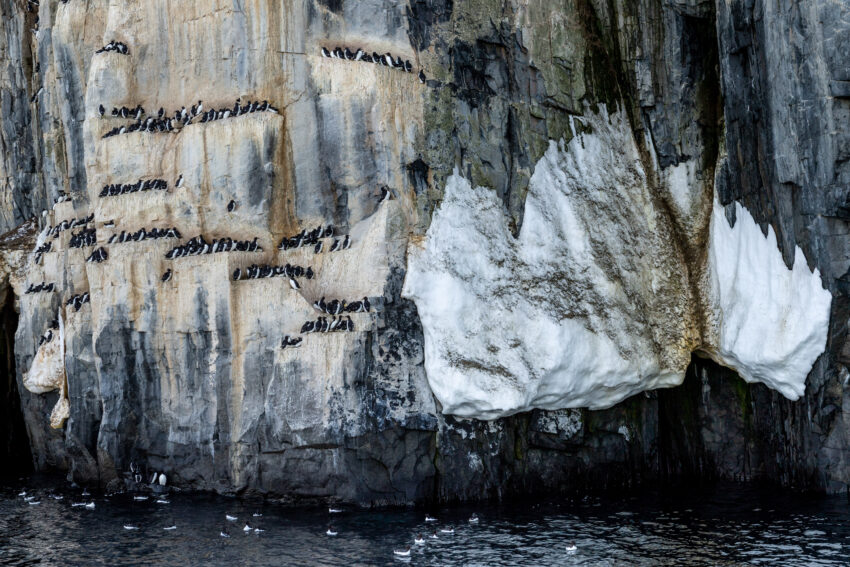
(187, 375)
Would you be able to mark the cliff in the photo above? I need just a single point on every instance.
(600, 243)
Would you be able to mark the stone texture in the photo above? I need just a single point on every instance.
(186, 376)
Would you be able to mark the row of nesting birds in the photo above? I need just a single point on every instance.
(113, 189)
(387, 60)
(163, 122)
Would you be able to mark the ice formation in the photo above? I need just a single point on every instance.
(770, 323)
(585, 308)
(590, 303)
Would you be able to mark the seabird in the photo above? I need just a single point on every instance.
(473, 519)
(294, 284)
(331, 531)
(169, 528)
(224, 533)
(101, 110)
(230, 518)
(140, 498)
(257, 515)
(571, 546)
(407, 66)
(237, 273)
(419, 540)
(449, 530)
(162, 479)
(429, 518)
(385, 194)
(359, 55)
(421, 76)
(433, 535)
(334, 511)
(162, 501)
(318, 248)
(346, 243)
(247, 527)
(231, 206)
(388, 60)
(129, 527)
(179, 181)
(348, 54)
(402, 552)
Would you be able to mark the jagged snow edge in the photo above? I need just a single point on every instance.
(770, 323)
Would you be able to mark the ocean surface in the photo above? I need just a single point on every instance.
(723, 525)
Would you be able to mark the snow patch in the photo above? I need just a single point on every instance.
(585, 308)
(591, 303)
(770, 323)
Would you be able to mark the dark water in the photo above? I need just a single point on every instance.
(728, 525)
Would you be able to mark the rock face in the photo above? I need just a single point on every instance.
(578, 198)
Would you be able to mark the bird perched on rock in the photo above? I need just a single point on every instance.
(167, 275)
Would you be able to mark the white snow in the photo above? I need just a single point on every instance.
(591, 302)
(770, 323)
(583, 309)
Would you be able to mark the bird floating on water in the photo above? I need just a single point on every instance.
(430, 518)
(473, 519)
(230, 518)
(331, 531)
(448, 530)
(334, 510)
(402, 552)
(129, 527)
(419, 540)
(571, 546)
(169, 528)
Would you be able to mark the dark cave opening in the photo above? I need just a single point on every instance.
(706, 429)
(14, 441)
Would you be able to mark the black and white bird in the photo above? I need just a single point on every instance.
(421, 76)
(325, 52)
(318, 248)
(237, 274)
(385, 194)
(231, 206)
(294, 284)
(167, 275)
(179, 181)
(101, 110)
